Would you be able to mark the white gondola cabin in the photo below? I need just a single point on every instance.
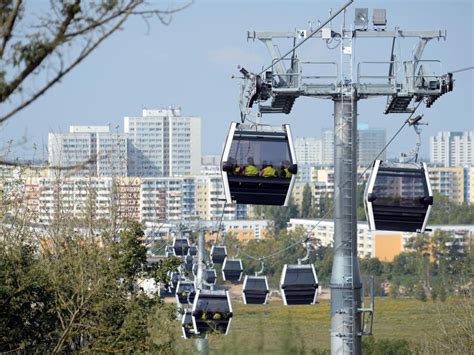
(232, 270)
(188, 263)
(218, 254)
(398, 197)
(174, 277)
(212, 312)
(169, 251)
(180, 246)
(255, 290)
(210, 276)
(192, 250)
(185, 292)
(299, 284)
(258, 164)
(187, 325)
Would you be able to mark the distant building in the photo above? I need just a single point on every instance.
(452, 148)
(327, 146)
(211, 160)
(308, 151)
(370, 141)
(88, 151)
(449, 182)
(385, 245)
(163, 143)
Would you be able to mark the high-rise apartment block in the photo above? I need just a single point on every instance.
(163, 143)
(308, 151)
(159, 143)
(452, 148)
(371, 142)
(88, 151)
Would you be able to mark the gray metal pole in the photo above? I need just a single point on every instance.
(345, 279)
(202, 344)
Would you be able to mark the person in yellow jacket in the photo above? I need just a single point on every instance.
(284, 172)
(250, 169)
(268, 171)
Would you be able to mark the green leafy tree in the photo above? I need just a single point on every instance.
(130, 252)
(307, 203)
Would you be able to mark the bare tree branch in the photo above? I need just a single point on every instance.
(81, 21)
(9, 25)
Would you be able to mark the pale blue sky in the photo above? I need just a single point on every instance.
(190, 64)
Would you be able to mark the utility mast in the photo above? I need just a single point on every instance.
(407, 82)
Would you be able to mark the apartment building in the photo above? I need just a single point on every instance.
(385, 245)
(449, 182)
(163, 143)
(88, 151)
(451, 149)
(308, 150)
(149, 200)
(243, 230)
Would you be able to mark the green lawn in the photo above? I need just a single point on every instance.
(278, 329)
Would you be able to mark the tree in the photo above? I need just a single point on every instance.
(64, 292)
(130, 252)
(40, 45)
(307, 203)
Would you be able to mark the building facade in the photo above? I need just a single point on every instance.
(385, 245)
(163, 143)
(148, 200)
(370, 141)
(88, 151)
(451, 149)
(308, 150)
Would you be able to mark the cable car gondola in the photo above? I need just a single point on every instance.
(188, 263)
(218, 254)
(187, 325)
(212, 312)
(192, 250)
(175, 277)
(185, 292)
(255, 290)
(299, 284)
(169, 251)
(210, 276)
(180, 246)
(232, 270)
(398, 197)
(258, 164)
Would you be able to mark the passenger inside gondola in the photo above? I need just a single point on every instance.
(284, 170)
(250, 169)
(267, 170)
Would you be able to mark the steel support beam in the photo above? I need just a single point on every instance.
(202, 344)
(345, 278)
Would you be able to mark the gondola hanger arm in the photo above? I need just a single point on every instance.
(262, 266)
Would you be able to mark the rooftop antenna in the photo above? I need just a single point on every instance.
(346, 87)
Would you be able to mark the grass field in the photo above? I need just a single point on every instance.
(276, 329)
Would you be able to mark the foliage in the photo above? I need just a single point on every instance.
(65, 292)
(307, 208)
(279, 215)
(445, 211)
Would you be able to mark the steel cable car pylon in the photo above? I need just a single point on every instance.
(413, 84)
(345, 278)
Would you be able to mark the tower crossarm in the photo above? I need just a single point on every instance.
(407, 82)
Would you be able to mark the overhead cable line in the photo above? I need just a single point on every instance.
(308, 37)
